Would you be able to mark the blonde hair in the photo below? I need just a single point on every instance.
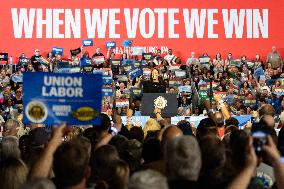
(151, 125)
(13, 173)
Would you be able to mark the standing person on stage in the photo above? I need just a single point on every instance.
(156, 83)
(170, 58)
(35, 60)
(275, 59)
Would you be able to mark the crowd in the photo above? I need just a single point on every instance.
(216, 153)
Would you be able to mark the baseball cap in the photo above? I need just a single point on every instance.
(38, 136)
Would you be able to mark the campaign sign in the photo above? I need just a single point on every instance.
(111, 45)
(74, 52)
(24, 61)
(3, 56)
(107, 80)
(136, 72)
(85, 62)
(180, 73)
(107, 92)
(135, 92)
(115, 62)
(147, 56)
(57, 51)
(137, 50)
(127, 43)
(87, 42)
(184, 88)
(52, 98)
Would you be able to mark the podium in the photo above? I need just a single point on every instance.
(165, 101)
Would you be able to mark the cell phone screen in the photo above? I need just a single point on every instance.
(259, 139)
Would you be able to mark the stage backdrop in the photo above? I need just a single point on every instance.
(242, 27)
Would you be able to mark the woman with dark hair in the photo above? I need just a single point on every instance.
(156, 83)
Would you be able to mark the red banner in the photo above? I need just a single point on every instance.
(241, 27)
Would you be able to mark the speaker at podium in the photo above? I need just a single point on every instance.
(165, 101)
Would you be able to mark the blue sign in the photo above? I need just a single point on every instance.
(57, 51)
(87, 42)
(128, 62)
(127, 43)
(111, 44)
(184, 88)
(17, 78)
(56, 98)
(85, 62)
(107, 80)
(107, 92)
(136, 72)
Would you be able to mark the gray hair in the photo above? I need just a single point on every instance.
(10, 147)
(148, 179)
(183, 158)
(39, 183)
(12, 124)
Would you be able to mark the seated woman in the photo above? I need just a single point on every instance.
(155, 84)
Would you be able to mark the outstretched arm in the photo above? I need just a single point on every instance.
(43, 165)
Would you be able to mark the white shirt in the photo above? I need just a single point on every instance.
(170, 58)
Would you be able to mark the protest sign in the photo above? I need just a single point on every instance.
(57, 51)
(127, 43)
(50, 98)
(87, 42)
(110, 45)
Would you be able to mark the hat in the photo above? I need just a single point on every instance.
(38, 136)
